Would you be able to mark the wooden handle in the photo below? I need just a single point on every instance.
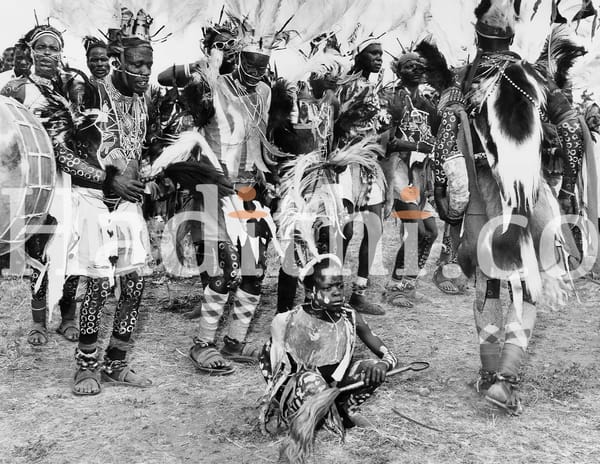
(413, 366)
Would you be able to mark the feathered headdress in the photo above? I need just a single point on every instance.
(584, 73)
(496, 19)
(435, 62)
(368, 21)
(131, 18)
(262, 24)
(559, 54)
(41, 30)
(450, 27)
(134, 30)
(91, 42)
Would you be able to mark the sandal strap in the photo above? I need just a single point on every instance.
(513, 380)
(83, 374)
(209, 354)
(203, 343)
(245, 348)
(112, 365)
(37, 330)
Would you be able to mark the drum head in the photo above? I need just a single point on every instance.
(27, 173)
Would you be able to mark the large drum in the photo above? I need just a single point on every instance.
(27, 174)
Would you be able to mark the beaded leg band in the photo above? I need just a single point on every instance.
(87, 361)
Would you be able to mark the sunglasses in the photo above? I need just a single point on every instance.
(224, 45)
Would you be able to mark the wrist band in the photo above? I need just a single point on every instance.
(388, 357)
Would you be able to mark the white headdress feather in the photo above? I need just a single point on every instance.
(584, 73)
(89, 16)
(450, 25)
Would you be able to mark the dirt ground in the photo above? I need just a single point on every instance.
(193, 418)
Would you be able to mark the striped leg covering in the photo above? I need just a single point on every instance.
(488, 320)
(243, 311)
(212, 310)
(518, 334)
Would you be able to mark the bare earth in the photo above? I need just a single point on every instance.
(190, 417)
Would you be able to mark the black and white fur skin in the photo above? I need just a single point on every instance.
(509, 126)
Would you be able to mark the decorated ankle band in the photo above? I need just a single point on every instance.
(202, 343)
(111, 365)
(87, 361)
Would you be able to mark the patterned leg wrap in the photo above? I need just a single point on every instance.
(212, 310)
(243, 310)
(446, 253)
(425, 244)
(517, 338)
(488, 320)
(91, 310)
(303, 386)
(571, 136)
(229, 261)
(67, 304)
(126, 315)
(38, 299)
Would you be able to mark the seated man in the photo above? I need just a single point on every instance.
(312, 348)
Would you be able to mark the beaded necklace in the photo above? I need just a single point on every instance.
(130, 118)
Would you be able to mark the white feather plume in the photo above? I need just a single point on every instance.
(308, 191)
(531, 30)
(451, 27)
(322, 63)
(86, 17)
(584, 73)
(180, 150)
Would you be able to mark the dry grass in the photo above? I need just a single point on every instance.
(190, 417)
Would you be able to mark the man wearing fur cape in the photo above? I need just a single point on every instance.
(488, 168)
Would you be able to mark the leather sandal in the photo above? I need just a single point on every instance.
(66, 326)
(240, 352)
(206, 354)
(88, 368)
(118, 372)
(38, 331)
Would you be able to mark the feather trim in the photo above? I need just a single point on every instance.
(559, 54)
(437, 67)
(308, 191)
(189, 174)
(175, 16)
(184, 146)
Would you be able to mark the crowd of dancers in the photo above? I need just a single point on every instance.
(251, 160)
